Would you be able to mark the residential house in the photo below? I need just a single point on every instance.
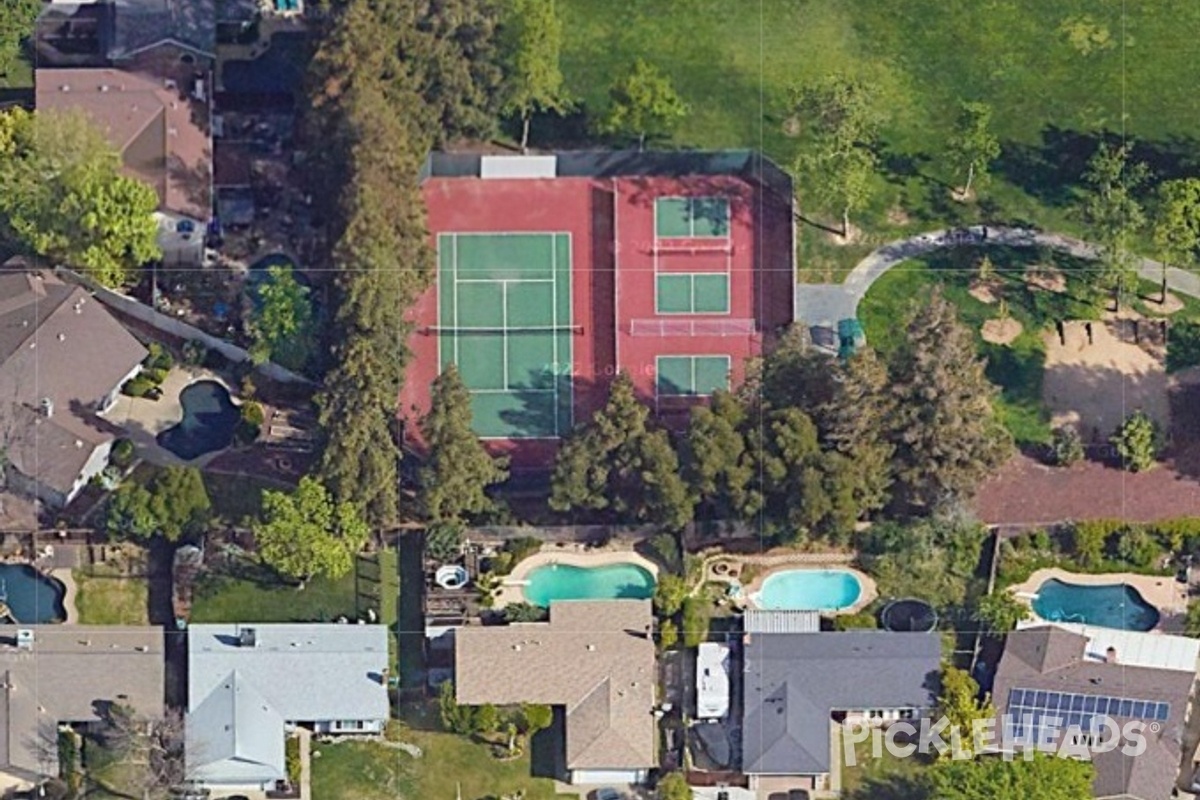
(141, 70)
(799, 686)
(52, 675)
(556, 272)
(248, 685)
(1075, 674)
(63, 360)
(594, 661)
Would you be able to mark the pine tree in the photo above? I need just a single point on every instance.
(856, 420)
(943, 424)
(717, 465)
(616, 463)
(458, 469)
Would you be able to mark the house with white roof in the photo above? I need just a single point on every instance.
(250, 685)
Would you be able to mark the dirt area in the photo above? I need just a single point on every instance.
(897, 216)
(987, 292)
(1045, 277)
(1167, 308)
(1001, 331)
(854, 236)
(1095, 382)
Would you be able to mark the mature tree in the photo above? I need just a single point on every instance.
(1176, 224)
(65, 198)
(642, 103)
(531, 37)
(960, 703)
(841, 116)
(172, 504)
(932, 559)
(944, 425)
(1137, 442)
(458, 470)
(307, 533)
(668, 634)
(1045, 776)
(794, 374)
(1114, 215)
(1000, 612)
(1191, 620)
(616, 463)
(805, 490)
(383, 262)
(972, 146)
(695, 621)
(855, 423)
(152, 748)
(674, 786)
(720, 471)
(281, 325)
(16, 25)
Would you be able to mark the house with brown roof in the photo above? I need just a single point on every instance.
(141, 70)
(63, 360)
(594, 662)
(1054, 676)
(51, 675)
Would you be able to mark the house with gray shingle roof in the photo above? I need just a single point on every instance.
(249, 685)
(63, 360)
(799, 686)
(1062, 668)
(593, 659)
(55, 674)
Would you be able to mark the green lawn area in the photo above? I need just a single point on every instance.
(253, 593)
(1016, 368)
(19, 75)
(886, 778)
(106, 597)
(368, 771)
(1054, 73)
(235, 497)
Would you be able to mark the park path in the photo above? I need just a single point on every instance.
(823, 304)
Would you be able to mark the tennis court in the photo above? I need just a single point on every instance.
(691, 217)
(504, 317)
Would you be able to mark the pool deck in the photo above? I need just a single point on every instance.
(512, 590)
(785, 561)
(1161, 591)
(144, 419)
(70, 590)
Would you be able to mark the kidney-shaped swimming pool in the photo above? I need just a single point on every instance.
(1109, 605)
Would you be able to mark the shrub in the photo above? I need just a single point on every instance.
(122, 453)
(669, 595)
(666, 545)
(849, 622)
(245, 433)
(1089, 540)
(1066, 446)
(1137, 547)
(668, 634)
(194, 353)
(695, 621)
(525, 612)
(252, 413)
(443, 540)
(160, 358)
(155, 375)
(1191, 621)
(1137, 442)
(292, 759)
(138, 386)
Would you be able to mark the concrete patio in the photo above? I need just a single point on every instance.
(143, 419)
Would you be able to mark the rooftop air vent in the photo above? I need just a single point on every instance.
(248, 637)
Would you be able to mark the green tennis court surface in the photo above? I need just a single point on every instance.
(504, 317)
(691, 217)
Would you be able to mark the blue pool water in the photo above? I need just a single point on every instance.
(209, 419)
(810, 590)
(32, 598)
(564, 582)
(1113, 605)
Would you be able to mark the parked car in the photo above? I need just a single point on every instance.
(607, 794)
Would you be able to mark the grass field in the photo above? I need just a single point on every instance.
(108, 598)
(1056, 74)
(253, 593)
(448, 763)
(886, 778)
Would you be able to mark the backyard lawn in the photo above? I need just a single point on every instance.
(885, 778)
(107, 597)
(252, 593)
(235, 497)
(1056, 74)
(448, 763)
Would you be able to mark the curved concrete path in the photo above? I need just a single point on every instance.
(823, 304)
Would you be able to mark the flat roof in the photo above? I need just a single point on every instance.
(712, 680)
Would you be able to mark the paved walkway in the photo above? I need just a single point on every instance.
(823, 304)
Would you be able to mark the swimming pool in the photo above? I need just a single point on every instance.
(809, 590)
(1111, 605)
(553, 582)
(32, 598)
(209, 420)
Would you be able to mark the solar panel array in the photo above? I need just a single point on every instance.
(1030, 707)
